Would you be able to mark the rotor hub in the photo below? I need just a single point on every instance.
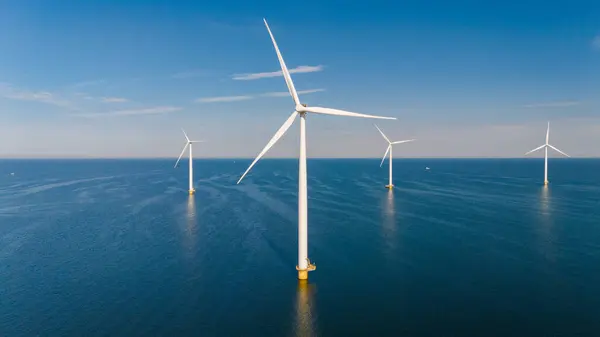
(301, 108)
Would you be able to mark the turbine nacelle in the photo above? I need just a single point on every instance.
(187, 143)
(389, 147)
(547, 145)
(301, 108)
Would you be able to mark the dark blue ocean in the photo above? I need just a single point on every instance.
(468, 248)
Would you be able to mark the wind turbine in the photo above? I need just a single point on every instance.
(189, 143)
(545, 147)
(389, 149)
(300, 110)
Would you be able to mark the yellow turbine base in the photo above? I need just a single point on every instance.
(302, 285)
(389, 186)
(546, 182)
(303, 273)
(192, 192)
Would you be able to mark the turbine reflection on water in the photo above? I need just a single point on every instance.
(190, 228)
(545, 229)
(545, 200)
(389, 221)
(306, 316)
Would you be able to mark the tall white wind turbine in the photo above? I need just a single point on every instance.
(545, 147)
(300, 110)
(189, 143)
(389, 149)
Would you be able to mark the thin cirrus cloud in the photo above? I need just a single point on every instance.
(8, 91)
(285, 93)
(84, 95)
(221, 99)
(84, 84)
(297, 70)
(552, 104)
(88, 97)
(133, 112)
(114, 99)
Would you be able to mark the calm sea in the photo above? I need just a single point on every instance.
(467, 248)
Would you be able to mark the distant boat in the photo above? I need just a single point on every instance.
(12, 173)
(427, 168)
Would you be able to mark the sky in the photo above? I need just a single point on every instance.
(121, 78)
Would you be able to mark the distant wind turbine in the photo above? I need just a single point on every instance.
(304, 265)
(545, 147)
(189, 143)
(389, 149)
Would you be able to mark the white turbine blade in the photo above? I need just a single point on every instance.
(557, 150)
(284, 69)
(273, 140)
(385, 155)
(185, 134)
(537, 148)
(197, 141)
(386, 138)
(547, 133)
(404, 141)
(328, 111)
(182, 151)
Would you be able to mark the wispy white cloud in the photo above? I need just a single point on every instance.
(84, 95)
(89, 97)
(8, 91)
(596, 42)
(84, 84)
(223, 99)
(285, 93)
(189, 74)
(297, 70)
(130, 112)
(557, 104)
(114, 99)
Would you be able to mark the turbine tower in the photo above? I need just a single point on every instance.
(300, 110)
(545, 147)
(389, 149)
(189, 143)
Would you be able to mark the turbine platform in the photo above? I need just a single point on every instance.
(192, 192)
(546, 182)
(389, 186)
(303, 274)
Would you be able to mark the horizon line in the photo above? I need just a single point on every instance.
(279, 158)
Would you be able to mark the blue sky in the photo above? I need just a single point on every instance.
(119, 78)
